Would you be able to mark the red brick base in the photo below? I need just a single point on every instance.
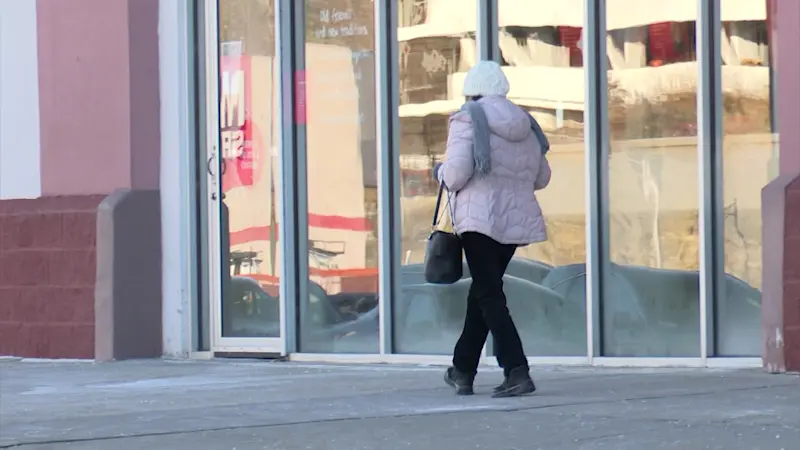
(47, 276)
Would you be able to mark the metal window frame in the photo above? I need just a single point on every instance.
(487, 31)
(579, 361)
(212, 211)
(710, 173)
(597, 154)
(201, 307)
(387, 128)
(293, 168)
(487, 36)
(196, 258)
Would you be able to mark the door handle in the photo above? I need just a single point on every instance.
(208, 166)
(222, 163)
(212, 173)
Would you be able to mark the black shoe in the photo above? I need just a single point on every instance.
(519, 382)
(459, 380)
(502, 386)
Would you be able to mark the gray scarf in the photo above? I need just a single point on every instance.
(480, 137)
(540, 136)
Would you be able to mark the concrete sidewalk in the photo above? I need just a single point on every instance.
(249, 405)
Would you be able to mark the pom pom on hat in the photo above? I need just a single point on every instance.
(486, 78)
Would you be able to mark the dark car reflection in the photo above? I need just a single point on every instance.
(549, 300)
(252, 312)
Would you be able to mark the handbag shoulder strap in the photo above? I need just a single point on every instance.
(436, 216)
(438, 205)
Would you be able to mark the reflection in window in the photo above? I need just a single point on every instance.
(750, 161)
(341, 312)
(545, 283)
(427, 319)
(651, 293)
(249, 244)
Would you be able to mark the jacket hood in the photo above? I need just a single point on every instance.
(506, 119)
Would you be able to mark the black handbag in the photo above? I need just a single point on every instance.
(443, 255)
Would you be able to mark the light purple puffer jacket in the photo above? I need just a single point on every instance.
(503, 204)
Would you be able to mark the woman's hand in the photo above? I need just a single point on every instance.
(436, 168)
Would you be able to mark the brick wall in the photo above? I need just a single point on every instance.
(47, 276)
(791, 277)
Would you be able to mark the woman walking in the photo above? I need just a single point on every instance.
(495, 162)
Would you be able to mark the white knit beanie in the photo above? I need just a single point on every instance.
(486, 78)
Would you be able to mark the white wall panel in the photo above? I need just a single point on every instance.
(20, 171)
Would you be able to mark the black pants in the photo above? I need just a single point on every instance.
(486, 307)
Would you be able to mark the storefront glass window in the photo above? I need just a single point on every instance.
(651, 292)
(437, 46)
(750, 161)
(545, 283)
(341, 312)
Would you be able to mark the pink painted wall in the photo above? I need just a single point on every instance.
(145, 98)
(787, 31)
(99, 102)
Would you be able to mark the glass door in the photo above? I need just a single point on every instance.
(242, 82)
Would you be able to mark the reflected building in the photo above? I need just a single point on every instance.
(651, 300)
